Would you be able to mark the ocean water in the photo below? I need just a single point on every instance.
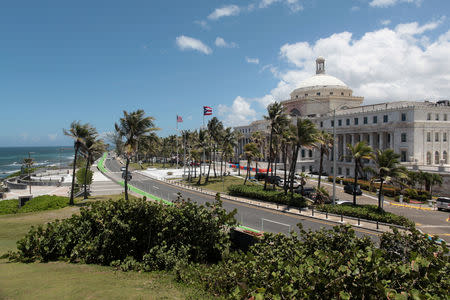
(11, 158)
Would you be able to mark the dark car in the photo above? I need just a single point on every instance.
(350, 189)
(260, 176)
(273, 179)
(307, 191)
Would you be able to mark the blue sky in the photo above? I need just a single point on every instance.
(90, 60)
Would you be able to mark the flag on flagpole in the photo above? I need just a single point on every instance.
(207, 111)
(179, 119)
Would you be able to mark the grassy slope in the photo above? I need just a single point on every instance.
(215, 184)
(58, 280)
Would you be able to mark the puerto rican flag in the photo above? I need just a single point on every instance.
(207, 111)
(179, 119)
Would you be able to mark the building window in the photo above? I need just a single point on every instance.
(310, 153)
(332, 123)
(339, 170)
(437, 117)
(444, 136)
(403, 156)
(331, 93)
(356, 121)
(445, 117)
(296, 96)
(306, 95)
(310, 169)
(303, 152)
(444, 157)
(429, 116)
(331, 170)
(403, 137)
(365, 120)
(347, 122)
(303, 169)
(318, 94)
(347, 171)
(428, 158)
(436, 157)
(385, 118)
(375, 119)
(428, 136)
(339, 122)
(342, 93)
(436, 136)
(321, 123)
(403, 117)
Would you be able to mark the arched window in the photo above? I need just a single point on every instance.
(428, 158)
(444, 157)
(436, 157)
(295, 112)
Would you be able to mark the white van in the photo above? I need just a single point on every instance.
(443, 203)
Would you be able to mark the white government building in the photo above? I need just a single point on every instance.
(418, 131)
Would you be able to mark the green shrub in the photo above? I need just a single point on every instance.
(330, 264)
(368, 212)
(124, 233)
(9, 206)
(38, 203)
(257, 192)
(80, 176)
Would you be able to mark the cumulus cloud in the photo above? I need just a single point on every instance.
(387, 3)
(220, 42)
(187, 43)
(252, 60)
(225, 11)
(239, 113)
(383, 65)
(385, 22)
(294, 5)
(202, 24)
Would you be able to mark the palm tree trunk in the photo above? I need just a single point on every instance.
(268, 164)
(248, 171)
(276, 161)
(73, 173)
(209, 168)
(320, 167)
(221, 160)
(380, 194)
(294, 165)
(214, 161)
(85, 175)
(285, 166)
(356, 182)
(126, 177)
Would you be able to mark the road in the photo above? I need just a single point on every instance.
(254, 217)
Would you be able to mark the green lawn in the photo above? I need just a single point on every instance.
(58, 280)
(216, 184)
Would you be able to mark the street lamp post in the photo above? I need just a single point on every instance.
(334, 156)
(29, 166)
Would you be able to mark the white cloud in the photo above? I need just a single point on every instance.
(239, 113)
(225, 11)
(220, 42)
(188, 43)
(383, 65)
(385, 22)
(202, 24)
(294, 5)
(387, 3)
(252, 60)
(354, 8)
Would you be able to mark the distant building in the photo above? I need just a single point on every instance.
(418, 131)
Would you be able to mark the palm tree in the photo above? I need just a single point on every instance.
(251, 152)
(436, 179)
(215, 128)
(324, 144)
(287, 141)
(239, 136)
(202, 144)
(92, 149)
(28, 163)
(228, 142)
(78, 132)
(257, 138)
(132, 126)
(275, 113)
(358, 153)
(305, 136)
(387, 167)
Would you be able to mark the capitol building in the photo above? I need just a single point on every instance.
(418, 131)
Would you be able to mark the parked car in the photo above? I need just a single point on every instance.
(443, 203)
(306, 192)
(296, 184)
(260, 176)
(123, 169)
(344, 202)
(350, 188)
(273, 179)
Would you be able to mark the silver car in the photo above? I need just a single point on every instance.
(443, 203)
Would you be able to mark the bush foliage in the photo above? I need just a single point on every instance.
(330, 264)
(133, 234)
(257, 192)
(368, 212)
(80, 176)
(39, 203)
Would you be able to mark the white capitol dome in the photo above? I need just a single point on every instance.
(321, 80)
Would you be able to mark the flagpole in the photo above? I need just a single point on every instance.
(204, 160)
(176, 138)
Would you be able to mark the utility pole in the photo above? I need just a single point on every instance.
(334, 156)
(29, 166)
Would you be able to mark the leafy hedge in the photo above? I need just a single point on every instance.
(133, 234)
(368, 212)
(257, 192)
(39, 203)
(330, 264)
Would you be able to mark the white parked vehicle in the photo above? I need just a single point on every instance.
(296, 183)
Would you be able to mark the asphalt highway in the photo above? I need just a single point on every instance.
(254, 217)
